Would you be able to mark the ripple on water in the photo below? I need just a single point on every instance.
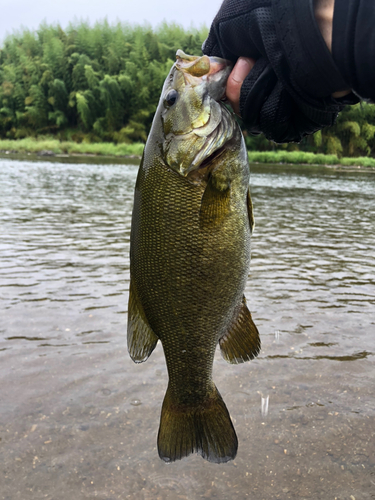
(64, 281)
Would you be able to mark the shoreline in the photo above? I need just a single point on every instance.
(49, 154)
(305, 158)
(53, 148)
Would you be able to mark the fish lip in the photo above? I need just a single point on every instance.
(218, 64)
(217, 78)
(185, 62)
(195, 69)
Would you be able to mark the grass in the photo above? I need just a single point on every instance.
(300, 157)
(32, 145)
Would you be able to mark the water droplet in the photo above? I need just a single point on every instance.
(264, 405)
(106, 392)
(135, 402)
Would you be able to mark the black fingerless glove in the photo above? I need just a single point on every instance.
(287, 95)
(353, 44)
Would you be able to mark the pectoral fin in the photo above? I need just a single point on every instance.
(250, 211)
(215, 203)
(241, 342)
(141, 339)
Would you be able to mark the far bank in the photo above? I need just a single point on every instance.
(50, 147)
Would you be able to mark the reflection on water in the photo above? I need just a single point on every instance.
(79, 419)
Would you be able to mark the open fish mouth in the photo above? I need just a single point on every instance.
(214, 70)
(201, 65)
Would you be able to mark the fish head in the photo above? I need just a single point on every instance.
(194, 120)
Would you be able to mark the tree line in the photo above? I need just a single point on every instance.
(103, 82)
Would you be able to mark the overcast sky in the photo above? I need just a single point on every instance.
(29, 13)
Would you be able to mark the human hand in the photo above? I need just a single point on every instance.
(323, 11)
(284, 96)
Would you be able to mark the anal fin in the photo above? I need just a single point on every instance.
(141, 339)
(241, 342)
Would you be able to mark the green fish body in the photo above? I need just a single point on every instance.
(190, 256)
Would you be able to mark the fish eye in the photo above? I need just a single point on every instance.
(171, 98)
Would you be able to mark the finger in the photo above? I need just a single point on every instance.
(240, 71)
(255, 90)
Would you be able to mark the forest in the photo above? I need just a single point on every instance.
(102, 83)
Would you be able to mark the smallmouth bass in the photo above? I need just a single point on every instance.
(190, 256)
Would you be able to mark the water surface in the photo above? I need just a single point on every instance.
(79, 420)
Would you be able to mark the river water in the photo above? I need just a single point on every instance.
(79, 420)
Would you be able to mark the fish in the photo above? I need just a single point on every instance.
(190, 254)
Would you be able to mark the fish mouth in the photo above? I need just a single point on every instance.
(200, 65)
(214, 70)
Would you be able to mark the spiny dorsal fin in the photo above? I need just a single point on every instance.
(241, 342)
(141, 339)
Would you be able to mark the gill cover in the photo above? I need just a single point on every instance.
(195, 123)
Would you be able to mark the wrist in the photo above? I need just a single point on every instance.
(323, 11)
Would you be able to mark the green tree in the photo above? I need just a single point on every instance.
(103, 82)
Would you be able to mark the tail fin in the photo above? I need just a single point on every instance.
(206, 429)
